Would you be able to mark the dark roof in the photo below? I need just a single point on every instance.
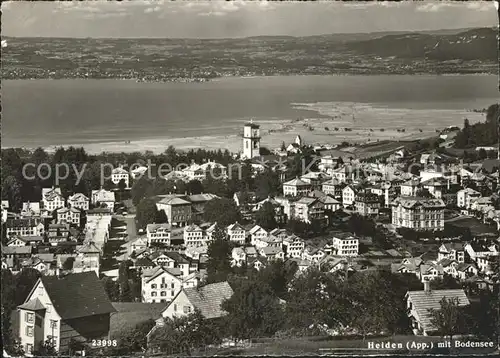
(77, 295)
(178, 258)
(208, 299)
(489, 165)
(144, 261)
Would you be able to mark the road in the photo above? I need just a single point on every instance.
(129, 220)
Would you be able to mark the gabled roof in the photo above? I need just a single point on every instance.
(256, 228)
(32, 305)
(201, 198)
(423, 301)
(271, 250)
(307, 201)
(144, 262)
(412, 201)
(78, 196)
(103, 195)
(77, 295)
(208, 299)
(193, 227)
(119, 171)
(235, 226)
(155, 227)
(178, 258)
(296, 182)
(173, 200)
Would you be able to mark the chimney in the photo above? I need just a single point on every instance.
(427, 287)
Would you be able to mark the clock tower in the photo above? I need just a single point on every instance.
(251, 140)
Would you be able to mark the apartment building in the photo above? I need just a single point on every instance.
(418, 213)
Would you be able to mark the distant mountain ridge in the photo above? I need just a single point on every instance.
(165, 59)
(475, 44)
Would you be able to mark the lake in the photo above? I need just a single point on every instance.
(55, 112)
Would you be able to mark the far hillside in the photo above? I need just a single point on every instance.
(480, 134)
(475, 44)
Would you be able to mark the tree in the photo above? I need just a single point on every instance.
(283, 146)
(219, 257)
(445, 283)
(146, 213)
(8, 305)
(482, 154)
(122, 185)
(194, 187)
(68, 263)
(181, 335)
(221, 210)
(265, 216)
(297, 227)
(161, 217)
(316, 298)
(11, 191)
(180, 186)
(254, 311)
(267, 183)
(125, 292)
(140, 189)
(449, 318)
(46, 349)
(112, 289)
(133, 339)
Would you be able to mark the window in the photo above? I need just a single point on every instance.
(153, 294)
(53, 323)
(172, 285)
(153, 286)
(187, 309)
(53, 339)
(163, 293)
(29, 317)
(175, 307)
(29, 348)
(29, 331)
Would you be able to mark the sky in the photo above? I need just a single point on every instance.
(221, 19)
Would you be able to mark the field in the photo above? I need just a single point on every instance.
(332, 346)
(476, 226)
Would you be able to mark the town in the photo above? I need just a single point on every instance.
(296, 241)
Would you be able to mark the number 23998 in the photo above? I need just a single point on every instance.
(104, 343)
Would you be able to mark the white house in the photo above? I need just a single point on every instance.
(66, 304)
(348, 195)
(69, 215)
(52, 198)
(103, 197)
(236, 233)
(119, 174)
(308, 209)
(410, 187)
(296, 187)
(194, 236)
(158, 234)
(79, 201)
(466, 196)
(347, 245)
(208, 299)
(160, 284)
(293, 246)
(257, 233)
(272, 253)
